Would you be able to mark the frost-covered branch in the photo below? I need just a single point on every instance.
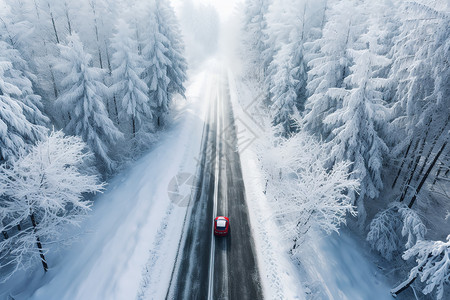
(433, 266)
(309, 195)
(391, 226)
(41, 193)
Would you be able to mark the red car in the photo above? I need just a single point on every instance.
(221, 226)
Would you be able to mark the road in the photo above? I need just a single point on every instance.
(209, 267)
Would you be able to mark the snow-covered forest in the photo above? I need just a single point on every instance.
(370, 82)
(85, 86)
(350, 107)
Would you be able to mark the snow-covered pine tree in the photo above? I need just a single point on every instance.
(330, 65)
(289, 82)
(81, 103)
(275, 34)
(355, 134)
(288, 87)
(423, 94)
(157, 62)
(30, 27)
(384, 232)
(254, 27)
(129, 89)
(21, 120)
(41, 192)
(169, 26)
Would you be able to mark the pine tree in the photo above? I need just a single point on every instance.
(157, 63)
(288, 84)
(128, 88)
(289, 81)
(170, 28)
(356, 123)
(21, 121)
(331, 65)
(81, 103)
(422, 96)
(255, 35)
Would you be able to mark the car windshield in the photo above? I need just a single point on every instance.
(221, 224)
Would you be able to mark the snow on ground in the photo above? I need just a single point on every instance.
(134, 228)
(330, 267)
(278, 274)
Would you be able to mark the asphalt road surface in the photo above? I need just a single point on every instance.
(209, 267)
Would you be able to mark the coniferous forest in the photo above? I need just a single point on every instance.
(365, 83)
(85, 86)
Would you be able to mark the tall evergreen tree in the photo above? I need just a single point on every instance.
(21, 121)
(169, 27)
(329, 68)
(255, 36)
(422, 94)
(128, 88)
(81, 103)
(289, 81)
(356, 124)
(157, 54)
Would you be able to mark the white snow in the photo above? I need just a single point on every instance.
(134, 226)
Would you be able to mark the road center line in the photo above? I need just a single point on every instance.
(224, 149)
(216, 190)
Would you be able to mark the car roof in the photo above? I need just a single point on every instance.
(221, 222)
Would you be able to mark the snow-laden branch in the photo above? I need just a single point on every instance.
(308, 195)
(41, 193)
(394, 229)
(433, 266)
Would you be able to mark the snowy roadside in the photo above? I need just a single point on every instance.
(331, 267)
(134, 225)
(280, 279)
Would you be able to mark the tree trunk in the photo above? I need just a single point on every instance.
(402, 286)
(52, 75)
(38, 242)
(115, 109)
(55, 89)
(92, 3)
(53, 23)
(405, 284)
(411, 176)
(108, 59)
(427, 157)
(69, 25)
(134, 126)
(437, 174)
(5, 235)
(425, 176)
(401, 166)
